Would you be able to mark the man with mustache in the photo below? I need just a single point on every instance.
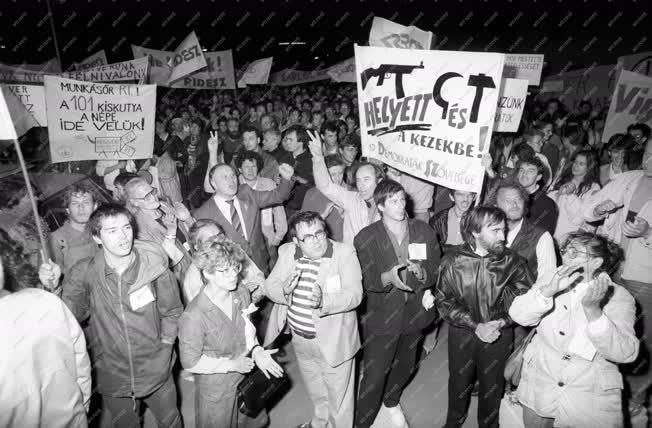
(477, 283)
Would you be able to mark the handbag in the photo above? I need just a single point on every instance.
(514, 365)
(255, 391)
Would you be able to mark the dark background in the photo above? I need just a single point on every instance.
(571, 33)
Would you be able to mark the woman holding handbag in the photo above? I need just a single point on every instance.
(585, 327)
(217, 341)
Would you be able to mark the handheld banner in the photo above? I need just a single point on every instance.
(524, 66)
(96, 60)
(631, 103)
(511, 103)
(257, 73)
(97, 121)
(386, 33)
(33, 98)
(429, 113)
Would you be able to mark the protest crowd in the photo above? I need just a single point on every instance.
(258, 224)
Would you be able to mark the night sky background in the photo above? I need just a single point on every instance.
(572, 34)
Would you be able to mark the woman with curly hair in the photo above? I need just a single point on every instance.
(584, 329)
(44, 366)
(580, 180)
(217, 341)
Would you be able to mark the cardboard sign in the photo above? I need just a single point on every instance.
(386, 33)
(429, 113)
(96, 60)
(98, 121)
(187, 58)
(7, 131)
(22, 119)
(257, 73)
(524, 66)
(631, 103)
(218, 73)
(33, 98)
(511, 103)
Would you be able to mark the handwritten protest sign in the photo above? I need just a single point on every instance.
(524, 66)
(93, 121)
(22, 119)
(257, 73)
(386, 33)
(33, 98)
(429, 113)
(117, 72)
(95, 60)
(640, 63)
(631, 103)
(595, 84)
(218, 73)
(187, 58)
(343, 71)
(511, 103)
(7, 131)
(291, 76)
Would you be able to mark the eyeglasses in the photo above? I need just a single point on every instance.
(311, 239)
(151, 195)
(231, 270)
(574, 252)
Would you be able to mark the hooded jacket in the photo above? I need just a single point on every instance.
(473, 289)
(130, 316)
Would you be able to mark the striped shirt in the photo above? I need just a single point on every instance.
(300, 312)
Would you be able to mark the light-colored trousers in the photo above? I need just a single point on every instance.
(331, 389)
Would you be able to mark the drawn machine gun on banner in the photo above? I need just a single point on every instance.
(384, 70)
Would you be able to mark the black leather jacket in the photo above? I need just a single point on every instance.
(472, 289)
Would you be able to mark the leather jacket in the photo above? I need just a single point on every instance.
(472, 289)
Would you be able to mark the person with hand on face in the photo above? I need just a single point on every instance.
(475, 288)
(585, 328)
(399, 258)
(625, 204)
(162, 223)
(236, 208)
(359, 206)
(132, 303)
(72, 242)
(316, 287)
(217, 340)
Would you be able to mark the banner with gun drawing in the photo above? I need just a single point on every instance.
(429, 113)
(99, 121)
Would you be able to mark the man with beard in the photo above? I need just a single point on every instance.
(531, 242)
(476, 286)
(233, 140)
(72, 242)
(132, 302)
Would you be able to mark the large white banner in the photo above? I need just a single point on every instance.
(95, 60)
(511, 103)
(117, 72)
(96, 121)
(524, 66)
(257, 73)
(290, 77)
(631, 103)
(343, 71)
(218, 73)
(33, 98)
(386, 33)
(429, 113)
(188, 58)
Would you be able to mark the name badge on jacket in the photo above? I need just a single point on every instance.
(140, 298)
(417, 251)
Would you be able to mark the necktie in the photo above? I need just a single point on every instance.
(235, 218)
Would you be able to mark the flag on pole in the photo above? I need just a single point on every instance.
(257, 73)
(389, 34)
(15, 120)
(96, 60)
(188, 58)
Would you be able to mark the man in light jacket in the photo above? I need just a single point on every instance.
(317, 285)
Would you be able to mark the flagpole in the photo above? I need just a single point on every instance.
(30, 192)
(54, 34)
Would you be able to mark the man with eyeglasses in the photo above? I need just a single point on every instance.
(160, 222)
(316, 287)
(131, 300)
(400, 258)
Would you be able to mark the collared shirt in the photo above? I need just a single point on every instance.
(400, 248)
(225, 209)
(454, 234)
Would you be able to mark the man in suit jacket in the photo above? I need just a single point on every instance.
(237, 209)
(399, 259)
(316, 285)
